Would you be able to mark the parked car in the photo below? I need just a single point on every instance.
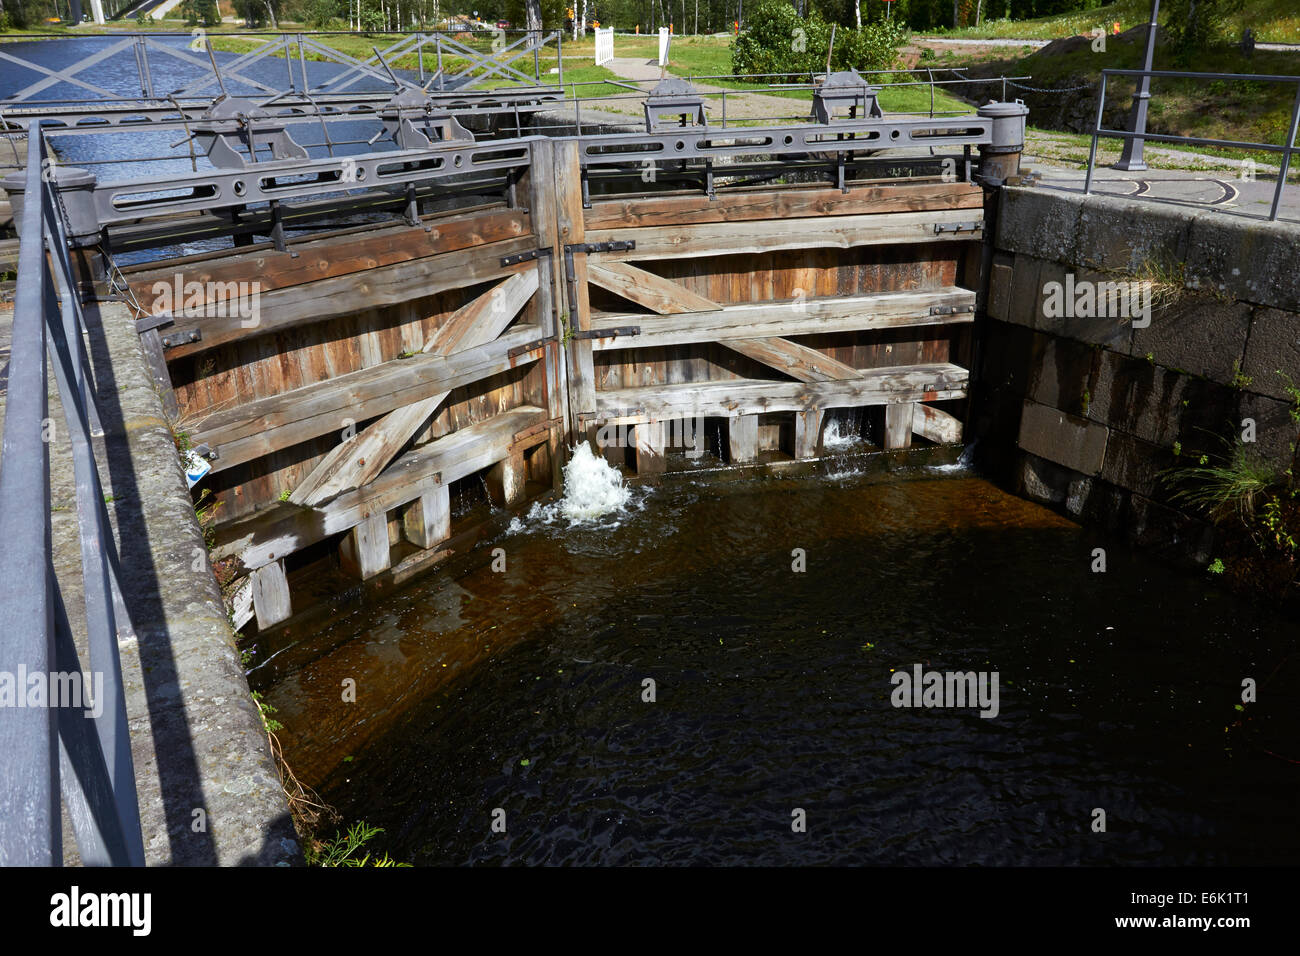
(503, 24)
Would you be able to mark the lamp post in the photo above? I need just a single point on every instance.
(1131, 157)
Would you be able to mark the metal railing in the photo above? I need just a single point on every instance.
(65, 742)
(435, 61)
(1285, 149)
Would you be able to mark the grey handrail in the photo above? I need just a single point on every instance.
(1287, 148)
(67, 744)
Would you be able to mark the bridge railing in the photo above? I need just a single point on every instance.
(1285, 149)
(72, 738)
(167, 67)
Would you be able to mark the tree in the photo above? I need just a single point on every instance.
(1193, 25)
(200, 13)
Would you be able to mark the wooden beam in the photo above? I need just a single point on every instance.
(365, 551)
(570, 230)
(742, 438)
(883, 386)
(271, 595)
(937, 425)
(260, 427)
(645, 288)
(737, 238)
(537, 182)
(767, 203)
(338, 256)
(807, 432)
(427, 520)
(284, 528)
(797, 317)
(358, 460)
(650, 445)
(898, 424)
(330, 298)
(241, 603)
(799, 361)
(505, 479)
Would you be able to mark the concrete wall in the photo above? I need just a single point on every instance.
(1084, 413)
(196, 736)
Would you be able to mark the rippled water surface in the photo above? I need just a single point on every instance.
(522, 690)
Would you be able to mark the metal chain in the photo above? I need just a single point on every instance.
(1035, 89)
(1021, 86)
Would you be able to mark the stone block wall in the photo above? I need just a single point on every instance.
(1085, 413)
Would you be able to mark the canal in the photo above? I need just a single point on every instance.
(523, 689)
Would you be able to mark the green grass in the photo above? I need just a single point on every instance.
(1220, 488)
(1227, 110)
(1274, 21)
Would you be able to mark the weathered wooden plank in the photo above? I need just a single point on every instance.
(570, 230)
(742, 438)
(505, 479)
(285, 528)
(807, 432)
(317, 301)
(645, 288)
(271, 594)
(365, 551)
(151, 346)
(241, 603)
(649, 439)
(760, 203)
(358, 460)
(740, 238)
(936, 382)
(258, 428)
(936, 425)
(427, 520)
(338, 256)
(803, 363)
(807, 317)
(898, 424)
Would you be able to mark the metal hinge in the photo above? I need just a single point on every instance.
(608, 333)
(150, 322)
(621, 245)
(181, 338)
(527, 347)
(950, 309)
(942, 227)
(525, 256)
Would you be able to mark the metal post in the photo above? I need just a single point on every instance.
(559, 54)
(1092, 153)
(1131, 157)
(1288, 147)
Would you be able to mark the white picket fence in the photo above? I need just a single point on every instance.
(604, 45)
(663, 46)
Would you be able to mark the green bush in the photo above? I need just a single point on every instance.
(777, 40)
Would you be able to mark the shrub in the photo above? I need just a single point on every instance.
(779, 41)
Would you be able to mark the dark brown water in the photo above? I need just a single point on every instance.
(522, 690)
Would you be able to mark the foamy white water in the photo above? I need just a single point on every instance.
(593, 489)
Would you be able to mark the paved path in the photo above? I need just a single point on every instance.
(1175, 176)
(644, 74)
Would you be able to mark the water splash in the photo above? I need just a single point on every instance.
(592, 490)
(841, 438)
